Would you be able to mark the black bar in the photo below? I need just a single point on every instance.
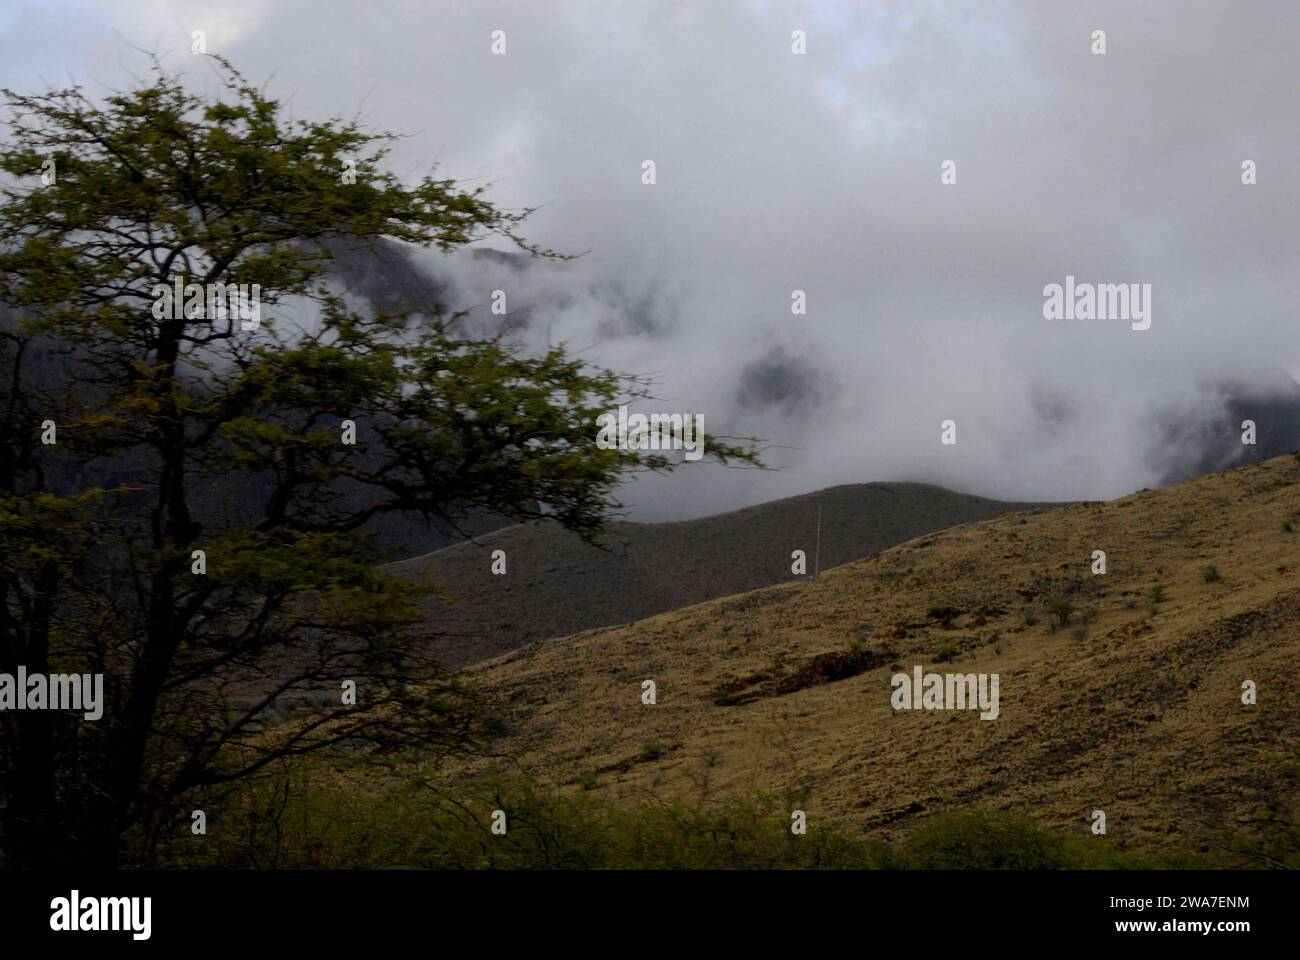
(921, 911)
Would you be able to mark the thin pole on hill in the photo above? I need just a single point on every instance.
(817, 554)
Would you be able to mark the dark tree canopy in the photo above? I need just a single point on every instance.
(220, 664)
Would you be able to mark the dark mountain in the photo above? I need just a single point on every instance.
(555, 584)
(1192, 447)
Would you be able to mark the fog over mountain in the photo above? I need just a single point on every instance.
(821, 173)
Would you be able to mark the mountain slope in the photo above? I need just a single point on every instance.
(1138, 713)
(555, 584)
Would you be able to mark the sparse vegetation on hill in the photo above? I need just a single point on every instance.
(1140, 716)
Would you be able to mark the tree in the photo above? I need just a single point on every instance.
(197, 531)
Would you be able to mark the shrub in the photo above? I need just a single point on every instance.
(297, 821)
(945, 653)
(652, 750)
(979, 840)
(364, 827)
(1211, 573)
(1061, 611)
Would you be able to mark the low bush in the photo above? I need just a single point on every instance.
(290, 824)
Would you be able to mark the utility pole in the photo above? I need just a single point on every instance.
(817, 554)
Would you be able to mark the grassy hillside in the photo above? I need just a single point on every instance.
(1119, 692)
(556, 585)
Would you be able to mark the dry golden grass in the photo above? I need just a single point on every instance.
(1140, 716)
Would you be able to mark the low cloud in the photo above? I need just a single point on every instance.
(778, 172)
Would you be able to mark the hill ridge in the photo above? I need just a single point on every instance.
(556, 585)
(1131, 704)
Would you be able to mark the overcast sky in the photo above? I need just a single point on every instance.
(821, 172)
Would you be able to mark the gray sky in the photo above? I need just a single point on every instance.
(821, 172)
